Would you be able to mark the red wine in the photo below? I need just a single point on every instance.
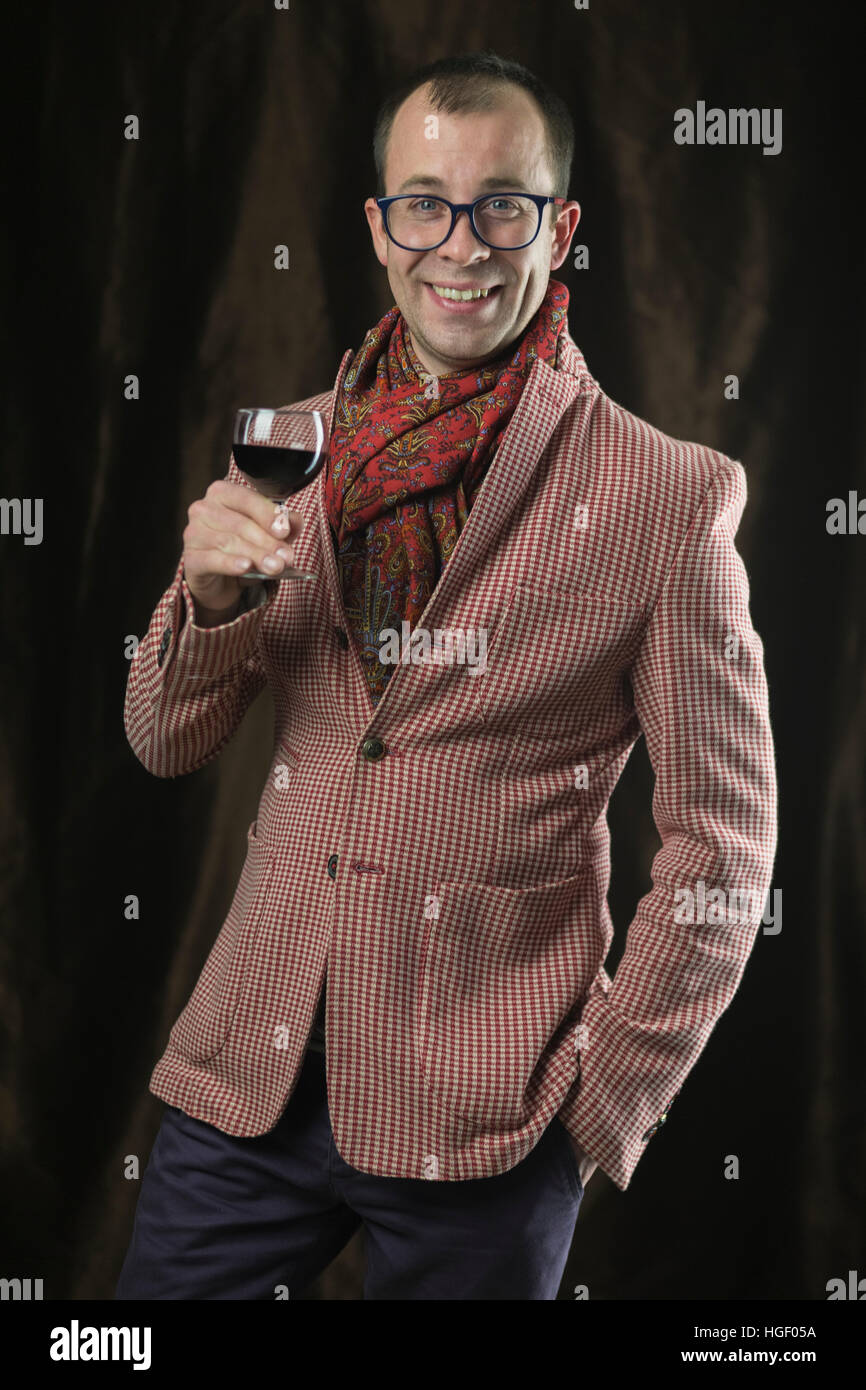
(276, 470)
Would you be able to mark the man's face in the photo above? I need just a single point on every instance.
(475, 153)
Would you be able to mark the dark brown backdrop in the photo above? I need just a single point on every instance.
(155, 257)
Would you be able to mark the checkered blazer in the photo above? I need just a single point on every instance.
(443, 859)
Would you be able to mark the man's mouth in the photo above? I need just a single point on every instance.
(449, 292)
(456, 296)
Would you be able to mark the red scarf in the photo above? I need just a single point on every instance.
(407, 456)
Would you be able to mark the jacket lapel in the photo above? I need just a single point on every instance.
(547, 394)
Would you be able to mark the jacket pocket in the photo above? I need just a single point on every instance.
(502, 973)
(204, 1025)
(556, 667)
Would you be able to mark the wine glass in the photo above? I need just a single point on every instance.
(279, 452)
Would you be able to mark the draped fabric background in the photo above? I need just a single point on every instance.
(156, 257)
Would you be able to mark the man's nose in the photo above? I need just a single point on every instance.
(463, 244)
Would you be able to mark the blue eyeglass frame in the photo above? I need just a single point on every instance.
(540, 200)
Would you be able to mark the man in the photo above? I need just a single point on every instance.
(430, 861)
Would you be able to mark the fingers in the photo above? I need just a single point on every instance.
(203, 562)
(233, 528)
(244, 505)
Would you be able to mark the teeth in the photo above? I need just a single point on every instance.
(460, 294)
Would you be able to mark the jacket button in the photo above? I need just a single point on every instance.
(653, 1129)
(661, 1119)
(373, 749)
(332, 866)
(342, 638)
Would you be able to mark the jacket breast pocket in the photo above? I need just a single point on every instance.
(500, 971)
(556, 663)
(205, 1023)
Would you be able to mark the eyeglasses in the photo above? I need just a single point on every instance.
(503, 221)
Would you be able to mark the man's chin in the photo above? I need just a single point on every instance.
(458, 349)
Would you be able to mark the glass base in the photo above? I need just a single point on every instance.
(257, 574)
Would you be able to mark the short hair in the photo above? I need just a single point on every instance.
(473, 82)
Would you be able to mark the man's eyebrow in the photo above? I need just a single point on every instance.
(506, 182)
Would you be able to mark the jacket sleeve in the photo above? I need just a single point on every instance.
(701, 696)
(189, 687)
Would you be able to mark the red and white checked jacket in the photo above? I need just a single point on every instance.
(443, 859)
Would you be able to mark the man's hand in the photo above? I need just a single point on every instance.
(587, 1165)
(231, 529)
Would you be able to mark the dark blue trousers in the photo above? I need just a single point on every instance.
(231, 1218)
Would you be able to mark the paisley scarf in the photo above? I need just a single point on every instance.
(408, 454)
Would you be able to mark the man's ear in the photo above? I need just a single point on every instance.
(563, 231)
(377, 230)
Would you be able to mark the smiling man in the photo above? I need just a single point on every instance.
(430, 861)
(461, 156)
